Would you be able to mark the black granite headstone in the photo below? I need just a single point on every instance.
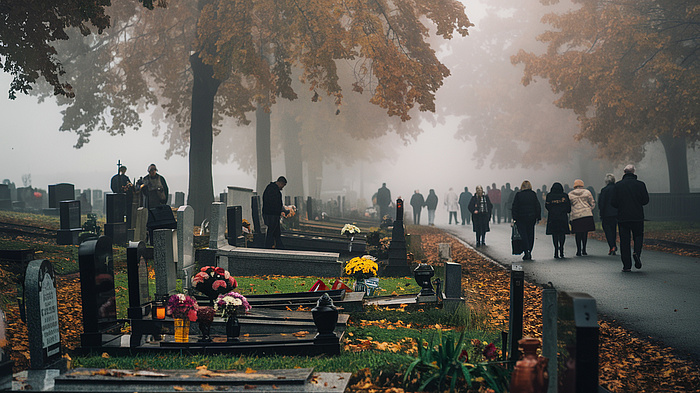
(137, 276)
(309, 208)
(41, 305)
(397, 265)
(115, 204)
(234, 223)
(179, 198)
(255, 206)
(117, 231)
(578, 338)
(97, 290)
(70, 222)
(60, 192)
(5, 362)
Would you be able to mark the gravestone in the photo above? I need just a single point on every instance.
(160, 217)
(397, 265)
(140, 225)
(70, 223)
(115, 227)
(309, 208)
(222, 197)
(217, 225)
(97, 201)
(240, 196)
(287, 200)
(256, 210)
(42, 315)
(179, 198)
(60, 192)
(299, 203)
(5, 197)
(185, 243)
(452, 298)
(139, 296)
(578, 338)
(5, 362)
(234, 223)
(97, 291)
(444, 252)
(163, 262)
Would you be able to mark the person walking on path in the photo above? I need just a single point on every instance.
(494, 195)
(608, 213)
(506, 193)
(154, 188)
(272, 211)
(452, 205)
(431, 203)
(417, 202)
(526, 213)
(558, 207)
(464, 198)
(629, 197)
(383, 200)
(480, 208)
(582, 204)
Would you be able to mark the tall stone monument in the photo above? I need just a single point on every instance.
(397, 265)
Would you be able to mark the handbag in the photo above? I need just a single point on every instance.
(516, 241)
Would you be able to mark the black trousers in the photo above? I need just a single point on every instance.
(274, 231)
(416, 216)
(527, 233)
(630, 231)
(610, 228)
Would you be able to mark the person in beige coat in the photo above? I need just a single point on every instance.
(582, 204)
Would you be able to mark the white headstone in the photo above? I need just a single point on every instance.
(239, 196)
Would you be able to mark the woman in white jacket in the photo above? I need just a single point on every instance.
(582, 204)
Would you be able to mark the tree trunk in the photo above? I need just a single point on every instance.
(294, 170)
(676, 158)
(262, 148)
(201, 186)
(314, 172)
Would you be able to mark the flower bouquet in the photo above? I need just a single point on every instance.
(213, 281)
(349, 230)
(229, 304)
(182, 306)
(361, 268)
(205, 317)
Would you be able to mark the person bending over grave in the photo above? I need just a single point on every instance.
(153, 188)
(272, 211)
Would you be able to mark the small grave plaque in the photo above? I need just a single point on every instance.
(70, 222)
(179, 198)
(444, 252)
(42, 314)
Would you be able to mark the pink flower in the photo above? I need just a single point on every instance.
(226, 274)
(192, 315)
(199, 278)
(233, 282)
(217, 284)
(219, 270)
(204, 269)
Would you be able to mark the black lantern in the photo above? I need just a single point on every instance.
(325, 316)
(423, 274)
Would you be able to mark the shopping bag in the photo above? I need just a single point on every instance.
(516, 241)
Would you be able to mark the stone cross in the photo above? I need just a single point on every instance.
(42, 314)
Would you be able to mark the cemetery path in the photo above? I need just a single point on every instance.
(662, 300)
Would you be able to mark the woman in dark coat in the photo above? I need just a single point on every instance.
(558, 206)
(480, 207)
(526, 213)
(608, 213)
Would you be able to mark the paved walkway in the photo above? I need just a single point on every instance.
(662, 300)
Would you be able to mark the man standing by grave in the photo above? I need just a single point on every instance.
(120, 184)
(272, 210)
(154, 188)
(383, 200)
(629, 197)
(417, 202)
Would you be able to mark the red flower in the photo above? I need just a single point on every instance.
(490, 352)
(220, 270)
(464, 356)
(217, 284)
(233, 282)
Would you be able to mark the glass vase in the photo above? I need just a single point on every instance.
(233, 328)
(182, 330)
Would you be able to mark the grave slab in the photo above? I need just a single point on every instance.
(255, 261)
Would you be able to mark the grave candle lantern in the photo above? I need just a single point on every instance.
(160, 310)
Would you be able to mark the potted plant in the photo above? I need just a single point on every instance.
(361, 268)
(228, 305)
(183, 309)
(213, 281)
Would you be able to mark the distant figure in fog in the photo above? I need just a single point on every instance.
(494, 195)
(451, 205)
(383, 200)
(464, 198)
(153, 188)
(417, 202)
(272, 210)
(629, 198)
(608, 213)
(480, 207)
(507, 198)
(431, 203)
(582, 204)
(526, 213)
(558, 207)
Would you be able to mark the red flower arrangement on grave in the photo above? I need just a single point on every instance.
(182, 306)
(213, 281)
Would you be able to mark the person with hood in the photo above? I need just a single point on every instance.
(630, 196)
(558, 207)
(582, 204)
(417, 202)
(608, 214)
(431, 203)
(480, 207)
(526, 213)
(451, 205)
(464, 199)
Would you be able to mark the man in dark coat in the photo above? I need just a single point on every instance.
(526, 213)
(629, 197)
(272, 210)
(120, 184)
(431, 203)
(153, 188)
(464, 198)
(608, 214)
(383, 200)
(417, 202)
